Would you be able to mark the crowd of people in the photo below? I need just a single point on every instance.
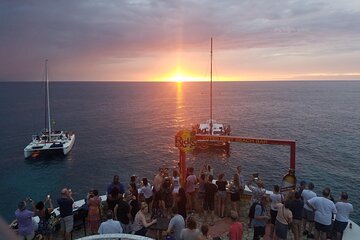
(135, 207)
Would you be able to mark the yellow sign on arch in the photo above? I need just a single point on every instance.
(185, 140)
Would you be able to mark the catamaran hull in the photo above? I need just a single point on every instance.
(34, 149)
(212, 144)
(68, 148)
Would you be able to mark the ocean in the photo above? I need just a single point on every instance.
(129, 128)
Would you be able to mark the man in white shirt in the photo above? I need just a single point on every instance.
(110, 226)
(308, 213)
(324, 209)
(344, 208)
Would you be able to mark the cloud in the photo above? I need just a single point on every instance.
(86, 39)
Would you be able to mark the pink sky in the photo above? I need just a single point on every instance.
(159, 40)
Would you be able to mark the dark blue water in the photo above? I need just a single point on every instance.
(127, 128)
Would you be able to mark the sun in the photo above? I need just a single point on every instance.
(180, 75)
(181, 78)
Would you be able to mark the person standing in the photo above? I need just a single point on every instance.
(275, 198)
(24, 219)
(94, 202)
(201, 194)
(191, 181)
(176, 183)
(147, 191)
(167, 196)
(235, 193)
(44, 215)
(134, 186)
(324, 209)
(115, 183)
(209, 200)
(258, 191)
(66, 212)
(221, 185)
(110, 226)
(158, 180)
(301, 187)
(296, 207)
(308, 214)
(344, 208)
(122, 214)
(181, 202)
(260, 218)
(241, 177)
(236, 227)
(284, 217)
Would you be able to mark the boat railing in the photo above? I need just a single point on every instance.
(115, 236)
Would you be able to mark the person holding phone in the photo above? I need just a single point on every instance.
(24, 219)
(44, 215)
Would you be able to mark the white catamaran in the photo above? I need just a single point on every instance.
(49, 141)
(211, 126)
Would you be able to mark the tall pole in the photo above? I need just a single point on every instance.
(211, 118)
(47, 97)
(45, 100)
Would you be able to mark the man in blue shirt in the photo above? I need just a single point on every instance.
(176, 224)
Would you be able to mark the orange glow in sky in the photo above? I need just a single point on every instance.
(170, 41)
(179, 75)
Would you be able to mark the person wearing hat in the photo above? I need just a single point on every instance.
(236, 227)
(24, 219)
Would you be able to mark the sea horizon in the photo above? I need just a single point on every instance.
(129, 128)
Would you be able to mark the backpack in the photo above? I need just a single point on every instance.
(252, 209)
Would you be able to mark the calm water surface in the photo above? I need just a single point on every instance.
(129, 128)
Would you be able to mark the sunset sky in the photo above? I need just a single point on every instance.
(169, 40)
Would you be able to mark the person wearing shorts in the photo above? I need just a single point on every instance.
(66, 212)
(308, 213)
(67, 223)
(324, 209)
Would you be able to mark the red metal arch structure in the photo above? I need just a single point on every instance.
(182, 157)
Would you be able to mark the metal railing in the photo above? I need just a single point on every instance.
(123, 236)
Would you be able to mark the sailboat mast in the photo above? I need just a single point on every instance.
(47, 97)
(211, 69)
(45, 100)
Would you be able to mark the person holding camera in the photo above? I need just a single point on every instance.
(24, 219)
(44, 215)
